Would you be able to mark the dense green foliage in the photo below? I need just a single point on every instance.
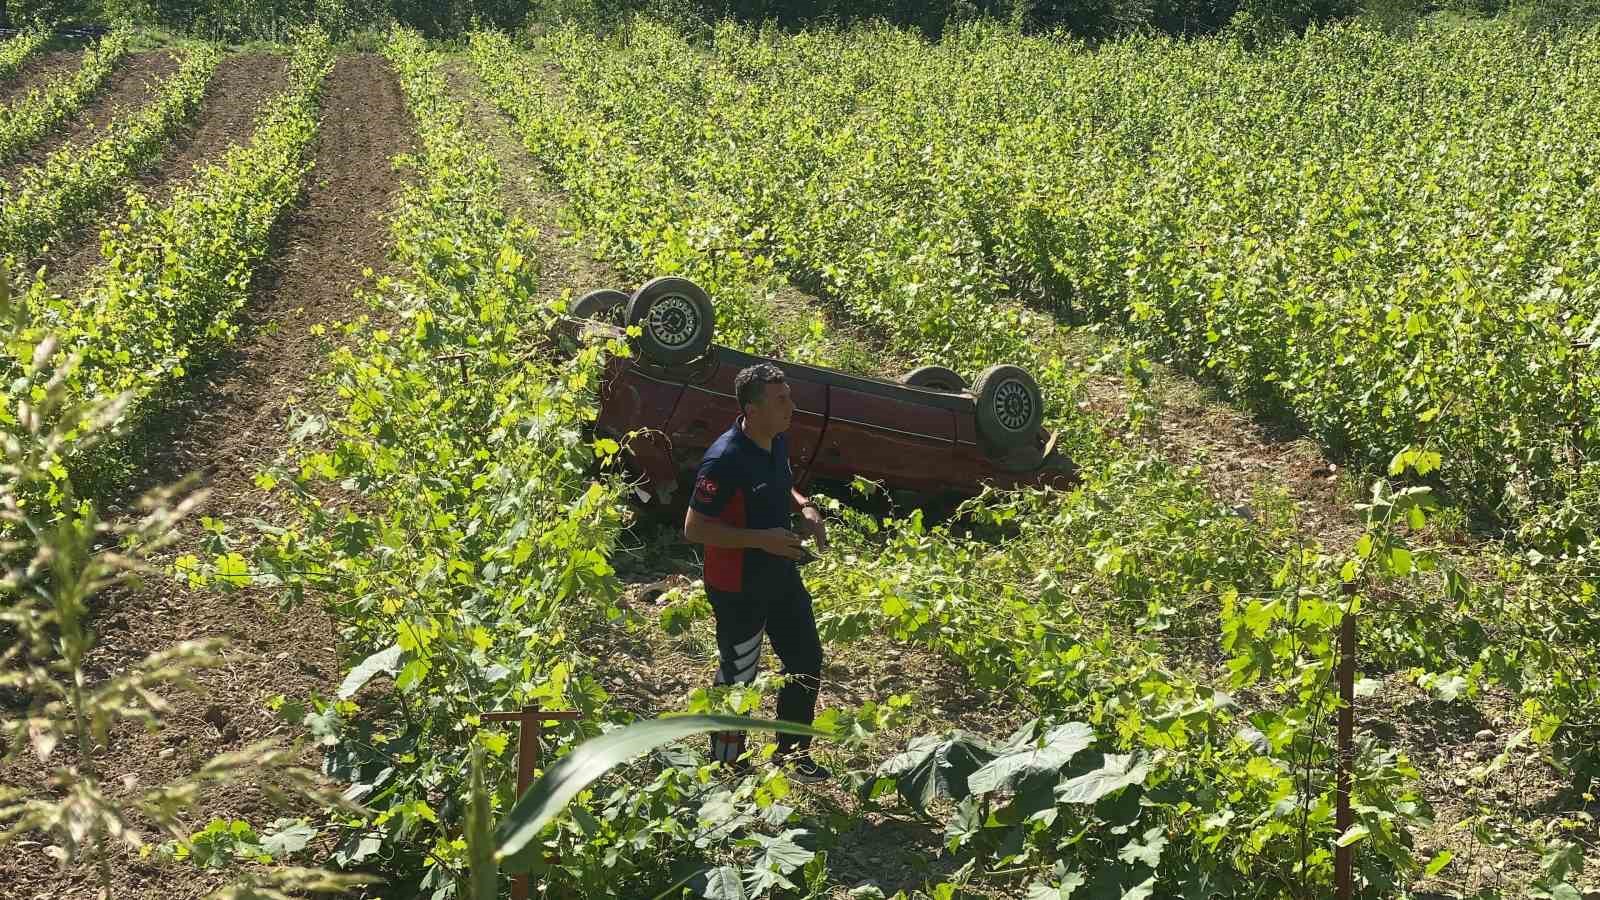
(1149, 535)
(173, 276)
(1354, 233)
(475, 526)
(28, 118)
(234, 19)
(75, 180)
(1088, 18)
(741, 173)
(18, 50)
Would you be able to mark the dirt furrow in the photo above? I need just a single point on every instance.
(226, 428)
(134, 83)
(561, 265)
(240, 85)
(36, 71)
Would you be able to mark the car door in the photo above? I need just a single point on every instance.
(708, 407)
(880, 436)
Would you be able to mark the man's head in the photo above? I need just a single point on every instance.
(764, 398)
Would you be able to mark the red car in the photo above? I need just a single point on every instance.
(927, 434)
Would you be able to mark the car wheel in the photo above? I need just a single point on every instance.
(675, 319)
(935, 378)
(602, 304)
(1010, 407)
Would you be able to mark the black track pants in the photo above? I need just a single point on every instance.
(774, 604)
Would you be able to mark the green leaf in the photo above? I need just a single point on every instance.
(548, 796)
(1262, 768)
(1146, 850)
(1399, 461)
(1352, 834)
(782, 853)
(484, 873)
(387, 661)
(935, 766)
(291, 839)
(1061, 744)
(1449, 689)
(1117, 772)
(1437, 864)
(1400, 561)
(1560, 859)
(723, 883)
(1061, 890)
(413, 672)
(232, 570)
(781, 857)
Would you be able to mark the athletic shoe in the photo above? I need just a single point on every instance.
(804, 769)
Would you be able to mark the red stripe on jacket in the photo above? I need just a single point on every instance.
(725, 565)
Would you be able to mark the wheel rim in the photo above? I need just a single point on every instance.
(1013, 407)
(674, 321)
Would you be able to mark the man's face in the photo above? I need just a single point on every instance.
(774, 411)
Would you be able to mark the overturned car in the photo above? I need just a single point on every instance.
(928, 434)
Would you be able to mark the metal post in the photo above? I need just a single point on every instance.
(531, 728)
(460, 359)
(1343, 857)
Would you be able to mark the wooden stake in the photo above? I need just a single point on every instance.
(531, 721)
(1343, 857)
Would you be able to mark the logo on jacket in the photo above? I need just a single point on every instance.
(705, 490)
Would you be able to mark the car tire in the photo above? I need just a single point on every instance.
(604, 305)
(676, 320)
(935, 378)
(1010, 407)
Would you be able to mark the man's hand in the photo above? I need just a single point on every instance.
(779, 542)
(812, 525)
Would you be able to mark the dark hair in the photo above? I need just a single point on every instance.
(751, 384)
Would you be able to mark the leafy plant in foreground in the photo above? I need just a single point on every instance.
(60, 563)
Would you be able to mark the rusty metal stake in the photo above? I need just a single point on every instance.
(1343, 857)
(531, 719)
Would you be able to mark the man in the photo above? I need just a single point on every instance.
(743, 497)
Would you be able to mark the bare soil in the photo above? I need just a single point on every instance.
(563, 265)
(226, 429)
(134, 83)
(36, 71)
(241, 83)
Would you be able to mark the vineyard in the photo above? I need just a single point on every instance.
(1318, 320)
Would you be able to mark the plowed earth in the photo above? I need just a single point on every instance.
(227, 113)
(36, 71)
(226, 428)
(133, 84)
